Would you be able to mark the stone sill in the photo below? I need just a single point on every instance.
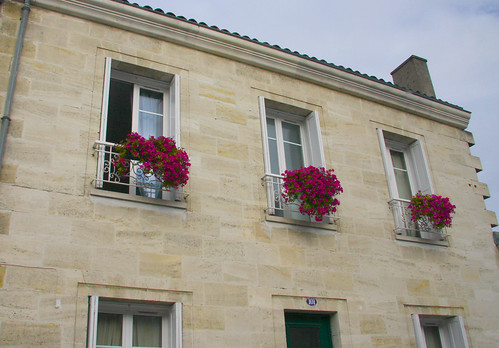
(139, 199)
(444, 243)
(319, 225)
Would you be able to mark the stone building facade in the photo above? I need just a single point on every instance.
(223, 263)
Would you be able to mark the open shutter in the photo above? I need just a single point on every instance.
(316, 150)
(418, 331)
(420, 167)
(92, 321)
(266, 157)
(387, 164)
(176, 325)
(174, 110)
(457, 332)
(265, 145)
(174, 128)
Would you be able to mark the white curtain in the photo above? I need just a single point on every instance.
(150, 113)
(109, 328)
(146, 331)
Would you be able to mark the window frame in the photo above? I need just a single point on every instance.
(313, 150)
(415, 158)
(171, 323)
(419, 180)
(451, 330)
(311, 133)
(279, 118)
(169, 85)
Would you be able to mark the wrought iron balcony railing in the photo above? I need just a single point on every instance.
(135, 182)
(423, 228)
(277, 206)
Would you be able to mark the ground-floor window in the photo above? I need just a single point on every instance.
(127, 324)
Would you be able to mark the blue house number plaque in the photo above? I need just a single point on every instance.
(311, 301)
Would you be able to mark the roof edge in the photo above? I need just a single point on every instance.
(191, 34)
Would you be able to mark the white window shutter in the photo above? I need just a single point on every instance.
(418, 330)
(176, 325)
(105, 98)
(458, 332)
(266, 156)
(387, 164)
(265, 145)
(420, 167)
(316, 149)
(92, 321)
(174, 110)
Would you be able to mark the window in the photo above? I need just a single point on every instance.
(135, 100)
(116, 323)
(407, 173)
(291, 139)
(434, 331)
(308, 330)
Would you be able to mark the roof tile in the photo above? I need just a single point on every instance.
(288, 51)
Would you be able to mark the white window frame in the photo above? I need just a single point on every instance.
(451, 330)
(171, 108)
(292, 119)
(311, 135)
(313, 151)
(171, 102)
(416, 162)
(171, 314)
(419, 179)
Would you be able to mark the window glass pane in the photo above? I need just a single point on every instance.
(401, 174)
(291, 132)
(398, 159)
(150, 125)
(109, 329)
(151, 101)
(119, 114)
(146, 331)
(403, 184)
(294, 156)
(271, 128)
(274, 157)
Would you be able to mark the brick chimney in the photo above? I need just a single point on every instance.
(413, 74)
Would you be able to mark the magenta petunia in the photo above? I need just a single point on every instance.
(158, 156)
(315, 188)
(436, 209)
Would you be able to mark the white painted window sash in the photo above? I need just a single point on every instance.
(313, 152)
(171, 325)
(92, 321)
(417, 165)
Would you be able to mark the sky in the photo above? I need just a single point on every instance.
(459, 38)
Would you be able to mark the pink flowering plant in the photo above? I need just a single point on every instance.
(315, 188)
(436, 209)
(158, 156)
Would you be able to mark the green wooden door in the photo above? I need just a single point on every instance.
(305, 330)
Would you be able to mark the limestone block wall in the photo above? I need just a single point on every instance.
(234, 272)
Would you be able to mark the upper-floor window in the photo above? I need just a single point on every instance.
(141, 100)
(291, 139)
(126, 324)
(407, 173)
